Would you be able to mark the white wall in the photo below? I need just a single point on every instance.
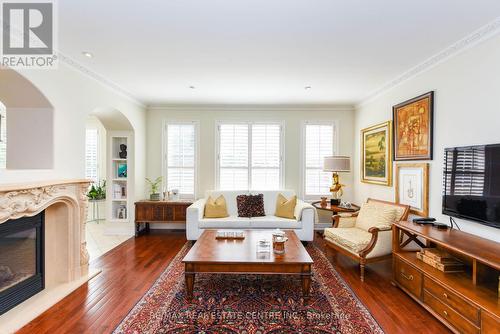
(74, 96)
(466, 111)
(208, 116)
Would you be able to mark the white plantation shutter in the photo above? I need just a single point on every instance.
(266, 156)
(233, 156)
(181, 158)
(92, 155)
(249, 156)
(319, 142)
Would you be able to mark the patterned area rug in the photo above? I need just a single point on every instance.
(249, 304)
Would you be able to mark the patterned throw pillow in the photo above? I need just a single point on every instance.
(250, 205)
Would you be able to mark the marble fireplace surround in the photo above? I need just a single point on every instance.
(66, 257)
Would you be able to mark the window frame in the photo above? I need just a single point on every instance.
(249, 167)
(164, 154)
(303, 168)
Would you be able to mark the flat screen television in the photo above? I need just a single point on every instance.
(471, 182)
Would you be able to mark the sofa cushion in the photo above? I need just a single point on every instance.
(216, 208)
(226, 223)
(274, 222)
(250, 205)
(373, 214)
(285, 208)
(351, 238)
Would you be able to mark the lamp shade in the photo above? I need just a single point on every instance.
(337, 163)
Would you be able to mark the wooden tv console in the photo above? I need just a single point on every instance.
(466, 302)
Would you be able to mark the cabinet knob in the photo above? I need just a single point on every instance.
(445, 313)
(445, 295)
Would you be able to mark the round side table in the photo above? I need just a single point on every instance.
(335, 209)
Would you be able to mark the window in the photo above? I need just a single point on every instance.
(250, 156)
(319, 142)
(181, 146)
(92, 155)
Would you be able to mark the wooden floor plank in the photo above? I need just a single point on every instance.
(129, 270)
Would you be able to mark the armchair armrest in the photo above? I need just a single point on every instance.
(376, 231)
(341, 221)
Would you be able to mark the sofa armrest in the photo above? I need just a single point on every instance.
(342, 222)
(301, 207)
(196, 210)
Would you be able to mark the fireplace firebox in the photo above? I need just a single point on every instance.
(21, 260)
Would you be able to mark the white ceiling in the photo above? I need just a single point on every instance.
(261, 51)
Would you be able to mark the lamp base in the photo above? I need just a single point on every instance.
(335, 201)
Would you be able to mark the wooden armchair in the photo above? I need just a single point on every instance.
(366, 236)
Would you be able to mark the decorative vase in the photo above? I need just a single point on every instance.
(323, 203)
(154, 197)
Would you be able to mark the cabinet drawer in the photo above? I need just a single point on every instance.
(450, 315)
(409, 277)
(180, 213)
(143, 213)
(489, 323)
(454, 301)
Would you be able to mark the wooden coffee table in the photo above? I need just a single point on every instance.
(209, 255)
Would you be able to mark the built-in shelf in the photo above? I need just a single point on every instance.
(119, 174)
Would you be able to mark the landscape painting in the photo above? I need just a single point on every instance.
(413, 128)
(376, 164)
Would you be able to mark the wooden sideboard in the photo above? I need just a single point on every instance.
(466, 302)
(163, 212)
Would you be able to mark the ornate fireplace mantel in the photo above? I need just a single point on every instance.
(65, 204)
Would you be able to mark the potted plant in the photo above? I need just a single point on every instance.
(154, 185)
(97, 192)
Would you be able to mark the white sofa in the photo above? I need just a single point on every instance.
(303, 225)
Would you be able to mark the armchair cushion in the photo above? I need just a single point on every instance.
(353, 239)
(374, 214)
(347, 222)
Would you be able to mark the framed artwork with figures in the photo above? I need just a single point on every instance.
(412, 187)
(413, 128)
(376, 157)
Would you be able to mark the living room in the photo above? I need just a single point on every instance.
(251, 166)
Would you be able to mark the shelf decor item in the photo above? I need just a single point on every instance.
(376, 157)
(155, 186)
(412, 187)
(121, 170)
(123, 151)
(413, 122)
(336, 164)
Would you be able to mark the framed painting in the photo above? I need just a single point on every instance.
(413, 128)
(376, 157)
(412, 187)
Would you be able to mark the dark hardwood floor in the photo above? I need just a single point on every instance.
(130, 269)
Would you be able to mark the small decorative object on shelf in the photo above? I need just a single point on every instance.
(323, 203)
(154, 185)
(121, 170)
(235, 234)
(175, 194)
(345, 205)
(279, 239)
(123, 151)
(122, 212)
(440, 260)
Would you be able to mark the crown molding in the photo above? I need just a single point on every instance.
(99, 78)
(249, 107)
(485, 32)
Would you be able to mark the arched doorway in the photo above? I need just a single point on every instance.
(110, 220)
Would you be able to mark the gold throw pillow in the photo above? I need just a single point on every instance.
(285, 208)
(216, 208)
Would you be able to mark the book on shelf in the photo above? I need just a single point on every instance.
(451, 265)
(439, 255)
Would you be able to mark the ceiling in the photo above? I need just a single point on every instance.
(261, 51)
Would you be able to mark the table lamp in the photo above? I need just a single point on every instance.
(336, 164)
